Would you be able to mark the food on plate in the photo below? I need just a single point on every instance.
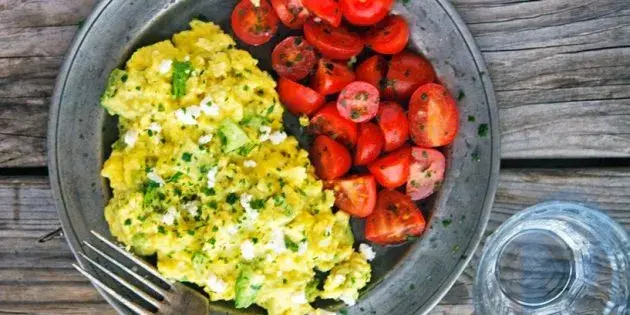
(293, 58)
(358, 101)
(406, 72)
(372, 70)
(331, 77)
(333, 42)
(292, 13)
(392, 170)
(392, 120)
(389, 36)
(325, 10)
(433, 116)
(297, 98)
(254, 24)
(365, 12)
(395, 219)
(204, 177)
(426, 172)
(355, 194)
(327, 121)
(370, 143)
(330, 158)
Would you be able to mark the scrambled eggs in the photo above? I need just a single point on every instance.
(204, 176)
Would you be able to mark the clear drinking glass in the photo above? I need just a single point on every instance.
(555, 258)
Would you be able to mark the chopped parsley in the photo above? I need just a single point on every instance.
(482, 131)
(292, 246)
(161, 230)
(257, 204)
(471, 118)
(231, 198)
(128, 222)
(181, 73)
(446, 222)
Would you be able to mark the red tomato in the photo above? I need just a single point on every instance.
(333, 42)
(425, 173)
(372, 70)
(433, 116)
(355, 195)
(291, 12)
(370, 143)
(358, 101)
(297, 98)
(365, 12)
(407, 71)
(293, 58)
(330, 158)
(331, 77)
(254, 25)
(392, 170)
(390, 36)
(327, 121)
(327, 10)
(395, 219)
(393, 122)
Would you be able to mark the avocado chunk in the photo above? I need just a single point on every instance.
(232, 136)
(247, 286)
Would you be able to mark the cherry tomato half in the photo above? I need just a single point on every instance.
(333, 42)
(358, 101)
(327, 121)
(392, 170)
(254, 25)
(330, 158)
(390, 36)
(433, 116)
(370, 143)
(425, 173)
(372, 70)
(327, 10)
(365, 12)
(292, 13)
(293, 58)
(393, 122)
(407, 71)
(355, 195)
(297, 98)
(394, 220)
(331, 77)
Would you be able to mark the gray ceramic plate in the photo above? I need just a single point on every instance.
(407, 279)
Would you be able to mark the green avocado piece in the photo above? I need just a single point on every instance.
(232, 136)
(247, 288)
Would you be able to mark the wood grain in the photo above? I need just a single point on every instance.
(561, 69)
(29, 269)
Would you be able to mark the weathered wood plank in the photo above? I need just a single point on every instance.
(27, 212)
(38, 13)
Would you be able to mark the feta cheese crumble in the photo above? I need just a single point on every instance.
(154, 177)
(276, 243)
(169, 217)
(130, 138)
(155, 127)
(185, 117)
(367, 251)
(350, 301)
(255, 3)
(302, 248)
(247, 250)
(192, 208)
(249, 163)
(165, 66)
(205, 139)
(299, 298)
(208, 107)
(212, 176)
(278, 137)
(216, 285)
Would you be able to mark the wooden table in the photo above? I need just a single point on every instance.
(561, 69)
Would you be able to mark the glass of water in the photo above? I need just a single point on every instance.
(555, 258)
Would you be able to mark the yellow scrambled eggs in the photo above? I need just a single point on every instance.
(204, 176)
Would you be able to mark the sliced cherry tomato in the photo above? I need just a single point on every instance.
(370, 143)
(333, 42)
(425, 173)
(433, 116)
(331, 77)
(355, 195)
(358, 101)
(372, 70)
(365, 12)
(392, 170)
(407, 71)
(393, 122)
(327, 121)
(395, 219)
(254, 25)
(327, 10)
(292, 13)
(293, 58)
(297, 98)
(330, 158)
(390, 36)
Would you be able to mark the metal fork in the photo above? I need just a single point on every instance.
(165, 298)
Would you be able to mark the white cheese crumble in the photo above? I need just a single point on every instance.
(212, 176)
(264, 133)
(317, 19)
(255, 3)
(250, 213)
(154, 177)
(367, 251)
(247, 250)
(278, 137)
(249, 163)
(205, 139)
(208, 107)
(299, 298)
(192, 208)
(216, 285)
(276, 243)
(187, 58)
(302, 248)
(155, 127)
(185, 117)
(165, 66)
(130, 138)
(195, 111)
(169, 217)
(348, 300)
